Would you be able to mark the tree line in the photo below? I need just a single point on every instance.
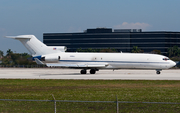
(12, 58)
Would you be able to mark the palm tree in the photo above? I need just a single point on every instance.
(173, 51)
(9, 52)
(1, 54)
(135, 49)
(176, 50)
(170, 51)
(156, 52)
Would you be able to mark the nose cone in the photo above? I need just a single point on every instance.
(172, 63)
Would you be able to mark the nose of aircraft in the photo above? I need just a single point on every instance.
(172, 63)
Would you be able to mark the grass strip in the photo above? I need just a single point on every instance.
(89, 90)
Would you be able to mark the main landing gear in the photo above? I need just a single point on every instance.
(83, 71)
(92, 71)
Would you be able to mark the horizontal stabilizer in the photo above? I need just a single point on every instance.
(20, 37)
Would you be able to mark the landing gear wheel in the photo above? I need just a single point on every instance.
(92, 71)
(158, 72)
(83, 71)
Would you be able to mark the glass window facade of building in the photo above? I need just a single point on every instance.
(120, 39)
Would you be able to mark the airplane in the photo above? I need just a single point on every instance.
(56, 56)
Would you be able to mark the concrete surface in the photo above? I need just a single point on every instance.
(57, 73)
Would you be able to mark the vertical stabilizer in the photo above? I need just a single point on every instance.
(34, 46)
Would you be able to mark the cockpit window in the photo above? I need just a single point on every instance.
(165, 59)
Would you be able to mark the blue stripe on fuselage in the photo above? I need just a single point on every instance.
(110, 61)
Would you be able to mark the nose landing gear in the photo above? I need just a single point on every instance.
(158, 71)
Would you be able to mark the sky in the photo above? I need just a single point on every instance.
(35, 17)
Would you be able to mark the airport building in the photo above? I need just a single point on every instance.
(120, 39)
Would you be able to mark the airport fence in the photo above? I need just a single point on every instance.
(20, 105)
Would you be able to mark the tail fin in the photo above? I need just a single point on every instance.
(36, 47)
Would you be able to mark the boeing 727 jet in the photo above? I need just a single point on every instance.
(55, 56)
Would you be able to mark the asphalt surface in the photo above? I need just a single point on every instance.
(58, 73)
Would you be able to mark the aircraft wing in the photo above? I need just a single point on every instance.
(78, 65)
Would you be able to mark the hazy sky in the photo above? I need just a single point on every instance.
(22, 17)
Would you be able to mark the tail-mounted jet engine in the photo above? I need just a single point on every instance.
(51, 58)
(48, 58)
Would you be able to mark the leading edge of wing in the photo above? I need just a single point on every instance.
(38, 61)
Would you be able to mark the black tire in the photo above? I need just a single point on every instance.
(83, 71)
(158, 72)
(92, 71)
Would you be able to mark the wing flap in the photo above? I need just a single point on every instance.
(61, 65)
(77, 65)
(96, 65)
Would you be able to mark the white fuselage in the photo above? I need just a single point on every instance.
(116, 60)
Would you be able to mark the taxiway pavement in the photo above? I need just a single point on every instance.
(58, 73)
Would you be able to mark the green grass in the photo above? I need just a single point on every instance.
(90, 90)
